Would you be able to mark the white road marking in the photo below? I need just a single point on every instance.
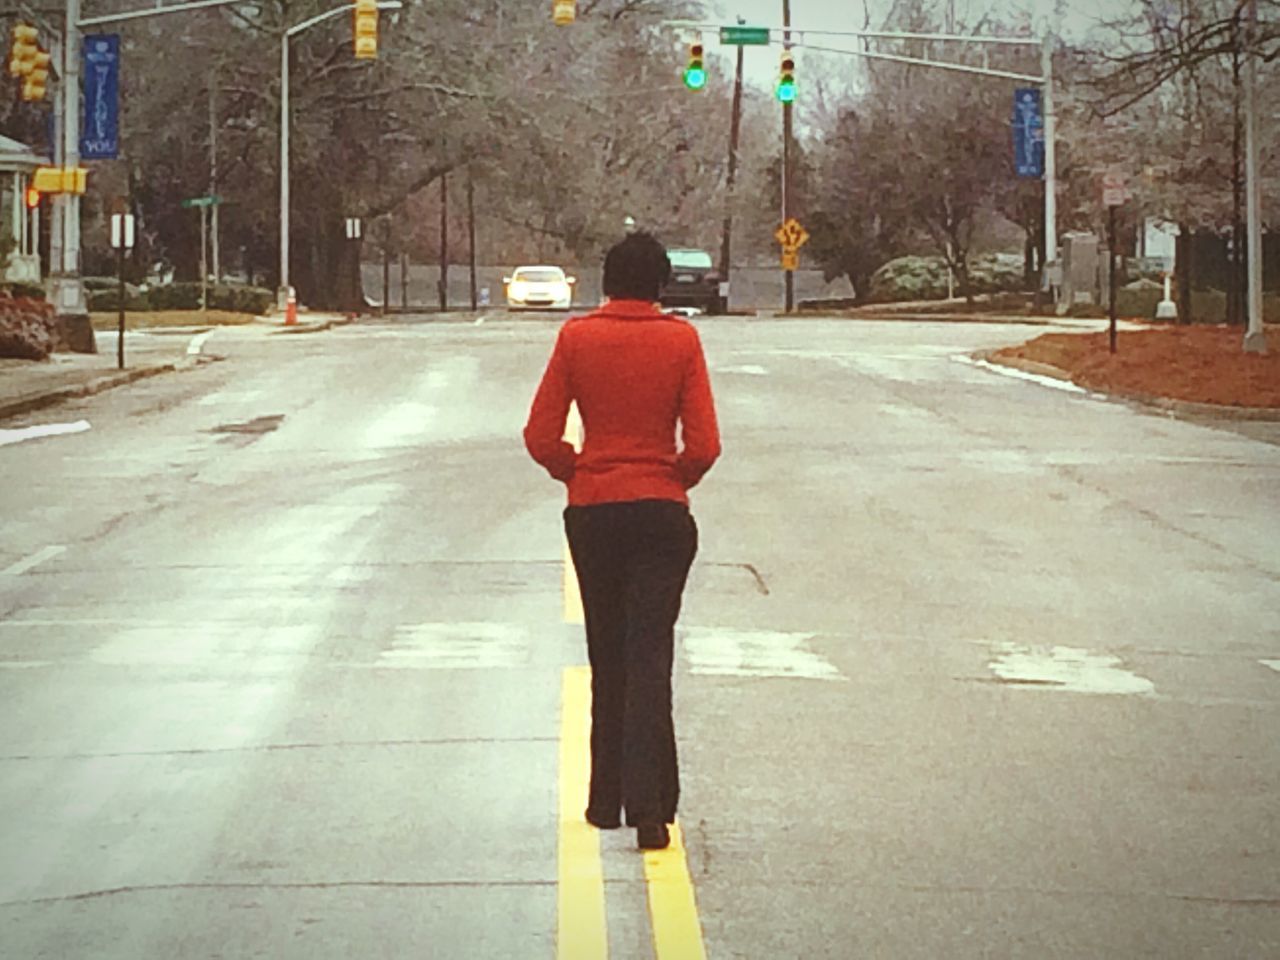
(197, 343)
(1066, 668)
(1064, 385)
(458, 646)
(1273, 664)
(750, 369)
(37, 558)
(43, 430)
(721, 652)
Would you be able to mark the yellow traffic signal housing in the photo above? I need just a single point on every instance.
(33, 88)
(786, 86)
(23, 50)
(60, 179)
(564, 11)
(366, 30)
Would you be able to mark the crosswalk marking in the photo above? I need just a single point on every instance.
(723, 652)
(458, 646)
(1066, 668)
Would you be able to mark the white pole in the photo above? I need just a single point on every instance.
(284, 169)
(1255, 340)
(1050, 155)
(71, 124)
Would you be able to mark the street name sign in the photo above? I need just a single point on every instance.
(745, 36)
(201, 202)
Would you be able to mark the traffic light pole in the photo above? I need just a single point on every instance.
(735, 129)
(289, 34)
(786, 159)
(66, 289)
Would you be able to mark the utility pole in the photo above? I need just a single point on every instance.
(1255, 340)
(443, 283)
(471, 236)
(735, 129)
(213, 170)
(788, 275)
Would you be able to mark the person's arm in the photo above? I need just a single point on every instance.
(698, 426)
(544, 430)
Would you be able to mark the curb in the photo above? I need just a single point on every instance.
(15, 408)
(1165, 404)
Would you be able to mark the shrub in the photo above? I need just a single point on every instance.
(27, 328)
(107, 300)
(925, 278)
(185, 295)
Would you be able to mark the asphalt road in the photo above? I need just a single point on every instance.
(969, 667)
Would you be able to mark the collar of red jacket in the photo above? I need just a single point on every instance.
(637, 309)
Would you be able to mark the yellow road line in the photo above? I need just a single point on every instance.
(581, 932)
(673, 911)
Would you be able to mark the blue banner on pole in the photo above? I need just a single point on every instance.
(100, 133)
(1028, 132)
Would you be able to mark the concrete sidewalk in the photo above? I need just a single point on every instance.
(27, 385)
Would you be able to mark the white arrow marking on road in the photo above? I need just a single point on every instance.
(197, 343)
(721, 652)
(37, 558)
(1066, 668)
(43, 430)
(1273, 664)
(1064, 385)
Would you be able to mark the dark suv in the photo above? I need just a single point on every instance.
(694, 282)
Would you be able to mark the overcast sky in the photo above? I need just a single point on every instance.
(1078, 17)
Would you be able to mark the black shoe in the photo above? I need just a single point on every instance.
(652, 836)
(603, 821)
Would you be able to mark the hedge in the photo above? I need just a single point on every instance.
(237, 298)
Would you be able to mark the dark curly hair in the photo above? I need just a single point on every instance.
(636, 268)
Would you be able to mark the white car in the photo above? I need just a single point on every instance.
(544, 288)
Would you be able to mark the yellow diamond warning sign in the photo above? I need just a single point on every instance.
(791, 234)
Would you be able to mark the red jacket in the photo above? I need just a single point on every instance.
(634, 373)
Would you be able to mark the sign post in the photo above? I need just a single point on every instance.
(121, 240)
(1114, 194)
(791, 236)
(203, 204)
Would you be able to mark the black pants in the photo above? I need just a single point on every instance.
(632, 561)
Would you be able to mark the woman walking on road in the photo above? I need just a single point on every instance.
(636, 375)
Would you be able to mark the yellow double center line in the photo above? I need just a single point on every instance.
(582, 931)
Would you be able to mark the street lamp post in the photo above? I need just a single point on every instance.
(289, 34)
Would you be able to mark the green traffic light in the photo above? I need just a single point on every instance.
(787, 91)
(695, 78)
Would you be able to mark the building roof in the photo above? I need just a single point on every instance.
(18, 156)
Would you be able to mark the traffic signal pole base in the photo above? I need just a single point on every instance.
(75, 332)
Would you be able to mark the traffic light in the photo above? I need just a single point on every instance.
(366, 30)
(695, 74)
(33, 198)
(786, 89)
(563, 11)
(33, 88)
(23, 49)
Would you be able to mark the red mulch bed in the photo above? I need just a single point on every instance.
(1199, 364)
